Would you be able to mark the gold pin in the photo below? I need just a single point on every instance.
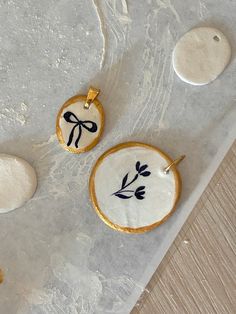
(174, 163)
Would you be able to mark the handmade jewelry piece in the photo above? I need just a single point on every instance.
(134, 187)
(201, 55)
(18, 182)
(80, 122)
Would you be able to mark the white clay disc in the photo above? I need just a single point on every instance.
(201, 55)
(18, 182)
(147, 201)
(79, 129)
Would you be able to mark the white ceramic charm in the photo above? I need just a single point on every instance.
(80, 122)
(130, 189)
(18, 182)
(201, 55)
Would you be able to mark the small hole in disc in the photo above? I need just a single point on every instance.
(216, 38)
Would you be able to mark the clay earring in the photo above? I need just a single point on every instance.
(18, 173)
(135, 187)
(201, 55)
(80, 122)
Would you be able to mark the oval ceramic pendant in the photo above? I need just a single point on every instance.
(80, 122)
(134, 187)
(201, 55)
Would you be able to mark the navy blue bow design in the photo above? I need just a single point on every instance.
(90, 126)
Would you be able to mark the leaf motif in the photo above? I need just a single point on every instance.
(122, 196)
(141, 193)
(145, 173)
(142, 168)
(124, 180)
(140, 188)
(137, 165)
(139, 197)
(135, 178)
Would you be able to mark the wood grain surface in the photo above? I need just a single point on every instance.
(198, 274)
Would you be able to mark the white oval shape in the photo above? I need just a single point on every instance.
(18, 182)
(129, 189)
(201, 55)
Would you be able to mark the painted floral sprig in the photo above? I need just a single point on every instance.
(139, 193)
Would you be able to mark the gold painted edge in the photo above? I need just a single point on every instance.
(1, 276)
(69, 102)
(178, 188)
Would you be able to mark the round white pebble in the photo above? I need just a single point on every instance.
(201, 55)
(18, 182)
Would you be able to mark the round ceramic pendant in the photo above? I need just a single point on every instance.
(135, 187)
(201, 55)
(18, 182)
(80, 122)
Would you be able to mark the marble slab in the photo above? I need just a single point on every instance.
(56, 254)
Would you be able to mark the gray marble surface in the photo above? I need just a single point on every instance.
(56, 254)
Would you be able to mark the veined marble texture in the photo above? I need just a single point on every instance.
(56, 254)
